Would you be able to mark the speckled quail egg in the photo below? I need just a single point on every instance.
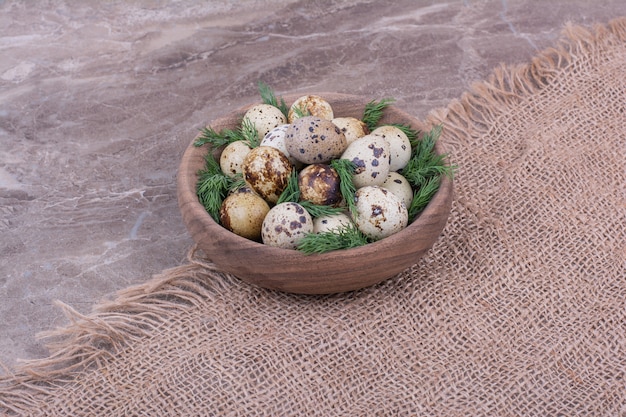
(399, 145)
(232, 157)
(267, 170)
(285, 225)
(265, 117)
(313, 140)
(319, 184)
(380, 213)
(310, 105)
(351, 127)
(399, 185)
(370, 154)
(242, 212)
(331, 223)
(276, 139)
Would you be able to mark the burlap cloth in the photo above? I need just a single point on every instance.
(518, 310)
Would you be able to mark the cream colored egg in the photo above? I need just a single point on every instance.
(276, 139)
(267, 170)
(233, 156)
(265, 117)
(380, 213)
(399, 145)
(243, 212)
(331, 223)
(399, 185)
(310, 105)
(285, 225)
(370, 154)
(351, 127)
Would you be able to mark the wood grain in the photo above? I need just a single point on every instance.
(291, 270)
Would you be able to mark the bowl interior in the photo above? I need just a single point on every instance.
(292, 270)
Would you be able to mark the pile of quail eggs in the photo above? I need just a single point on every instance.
(308, 143)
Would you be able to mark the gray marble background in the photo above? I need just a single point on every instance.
(98, 100)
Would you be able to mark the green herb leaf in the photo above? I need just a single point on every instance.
(212, 187)
(425, 170)
(423, 195)
(217, 139)
(249, 133)
(268, 97)
(316, 210)
(340, 238)
(345, 169)
(373, 112)
(301, 112)
(291, 193)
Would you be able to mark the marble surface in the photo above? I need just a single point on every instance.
(98, 100)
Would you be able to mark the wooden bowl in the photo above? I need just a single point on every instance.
(291, 270)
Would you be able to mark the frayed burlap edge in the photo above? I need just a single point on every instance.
(508, 85)
(89, 340)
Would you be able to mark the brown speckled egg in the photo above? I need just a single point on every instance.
(310, 105)
(266, 170)
(351, 127)
(243, 212)
(370, 154)
(312, 140)
(285, 225)
(380, 213)
(319, 184)
(232, 157)
(399, 145)
(265, 117)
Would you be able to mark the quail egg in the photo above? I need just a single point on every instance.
(351, 127)
(399, 145)
(265, 117)
(310, 105)
(313, 140)
(232, 157)
(242, 212)
(370, 154)
(267, 170)
(276, 139)
(319, 184)
(380, 213)
(399, 185)
(331, 222)
(285, 225)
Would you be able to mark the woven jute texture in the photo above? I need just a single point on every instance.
(518, 310)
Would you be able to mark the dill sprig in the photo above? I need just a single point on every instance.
(345, 170)
(212, 187)
(425, 170)
(317, 210)
(246, 131)
(217, 139)
(249, 133)
(268, 97)
(339, 238)
(425, 162)
(423, 195)
(373, 112)
(291, 193)
(300, 112)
